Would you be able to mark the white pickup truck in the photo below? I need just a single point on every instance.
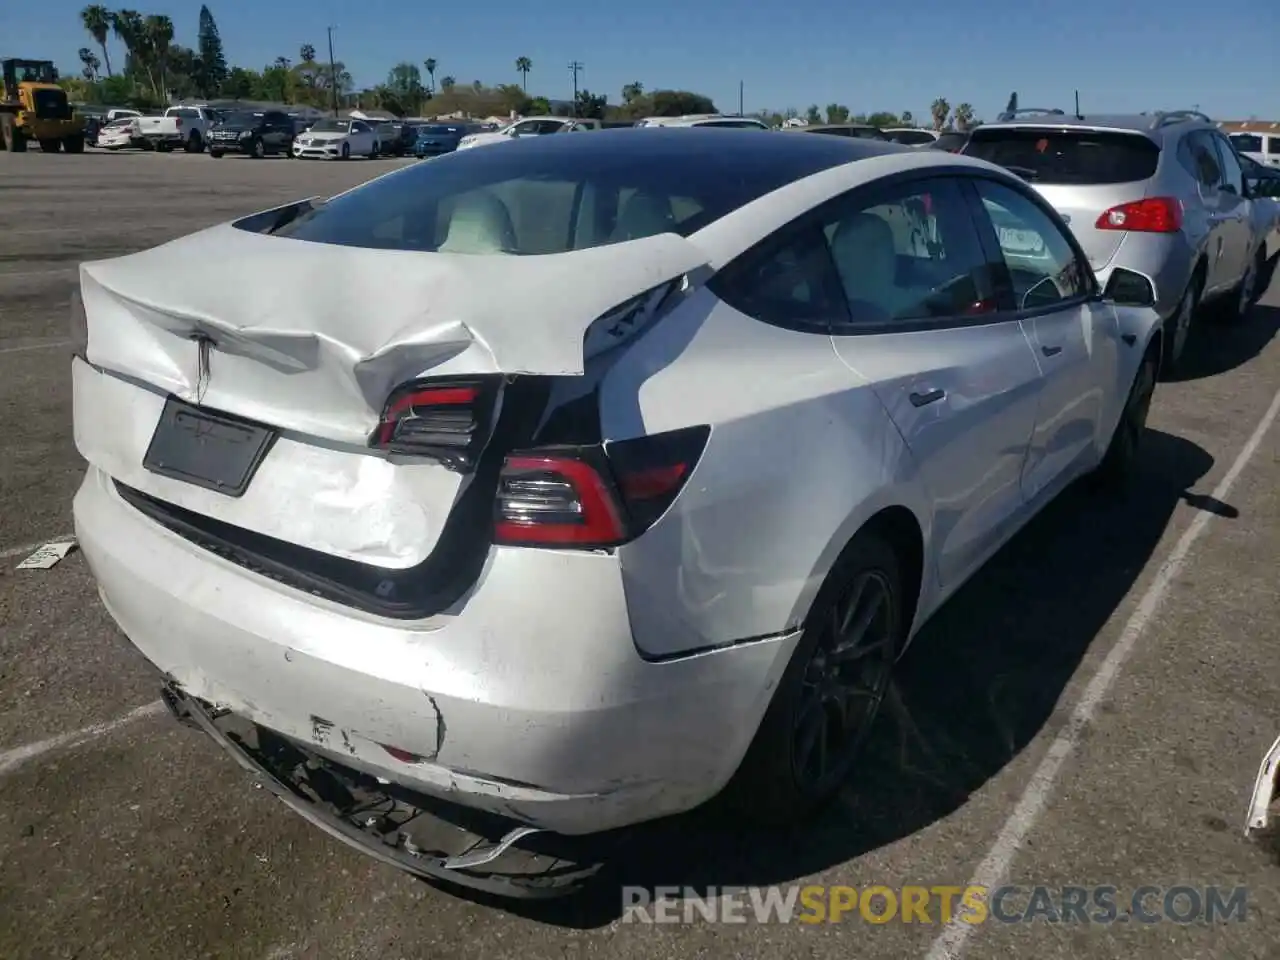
(184, 127)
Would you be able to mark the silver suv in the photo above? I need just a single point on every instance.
(1161, 193)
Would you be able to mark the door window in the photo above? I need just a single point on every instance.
(1232, 175)
(1043, 265)
(1198, 155)
(912, 253)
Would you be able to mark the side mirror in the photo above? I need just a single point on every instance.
(1128, 288)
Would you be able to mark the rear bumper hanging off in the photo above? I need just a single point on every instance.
(417, 834)
(1265, 791)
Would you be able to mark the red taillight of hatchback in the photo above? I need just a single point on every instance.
(594, 496)
(1151, 215)
(441, 419)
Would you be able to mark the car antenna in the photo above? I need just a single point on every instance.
(1079, 116)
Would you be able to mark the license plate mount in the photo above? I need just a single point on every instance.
(206, 448)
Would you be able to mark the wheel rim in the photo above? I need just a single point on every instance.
(257, 149)
(844, 682)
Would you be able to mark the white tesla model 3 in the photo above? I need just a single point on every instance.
(644, 461)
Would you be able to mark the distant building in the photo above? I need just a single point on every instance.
(1250, 126)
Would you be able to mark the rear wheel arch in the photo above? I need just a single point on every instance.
(898, 526)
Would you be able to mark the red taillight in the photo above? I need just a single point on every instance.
(1152, 215)
(593, 496)
(444, 420)
(177, 122)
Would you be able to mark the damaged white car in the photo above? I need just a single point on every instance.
(662, 447)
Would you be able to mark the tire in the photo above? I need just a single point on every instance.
(1236, 306)
(375, 152)
(73, 144)
(50, 146)
(163, 147)
(1116, 470)
(346, 151)
(1178, 327)
(256, 150)
(195, 143)
(774, 785)
(216, 154)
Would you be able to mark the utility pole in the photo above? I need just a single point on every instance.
(740, 113)
(333, 75)
(575, 68)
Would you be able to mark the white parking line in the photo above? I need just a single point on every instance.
(994, 868)
(11, 760)
(36, 346)
(32, 547)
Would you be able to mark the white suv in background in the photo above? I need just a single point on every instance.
(1263, 147)
(704, 120)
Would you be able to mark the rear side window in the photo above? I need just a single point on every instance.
(911, 136)
(1067, 156)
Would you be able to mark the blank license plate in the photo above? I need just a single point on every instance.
(207, 449)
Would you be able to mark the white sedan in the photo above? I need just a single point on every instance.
(532, 127)
(578, 483)
(118, 134)
(334, 139)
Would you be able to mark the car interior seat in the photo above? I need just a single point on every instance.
(863, 249)
(644, 215)
(480, 223)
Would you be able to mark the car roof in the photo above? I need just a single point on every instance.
(1149, 124)
(838, 126)
(693, 145)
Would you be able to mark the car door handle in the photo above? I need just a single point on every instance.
(1050, 351)
(927, 397)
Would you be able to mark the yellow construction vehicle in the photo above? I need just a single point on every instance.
(34, 107)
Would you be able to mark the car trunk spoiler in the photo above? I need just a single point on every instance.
(313, 336)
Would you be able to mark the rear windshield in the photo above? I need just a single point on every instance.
(1067, 157)
(910, 136)
(549, 195)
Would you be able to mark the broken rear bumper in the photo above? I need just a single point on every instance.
(530, 701)
(1266, 789)
(408, 831)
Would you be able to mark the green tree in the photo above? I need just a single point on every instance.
(97, 21)
(241, 84)
(939, 111)
(883, 118)
(447, 84)
(539, 107)
(813, 115)
(964, 117)
(632, 92)
(837, 113)
(429, 65)
(307, 53)
(212, 70)
(675, 103)
(89, 64)
(591, 105)
(404, 83)
(158, 30)
(523, 66)
(1012, 105)
(907, 119)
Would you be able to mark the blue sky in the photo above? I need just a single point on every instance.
(1120, 54)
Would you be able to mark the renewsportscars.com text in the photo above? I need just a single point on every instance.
(936, 904)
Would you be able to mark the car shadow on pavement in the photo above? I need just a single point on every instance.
(1214, 347)
(978, 684)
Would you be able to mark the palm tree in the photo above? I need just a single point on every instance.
(97, 20)
(89, 60)
(430, 64)
(523, 66)
(159, 33)
(127, 26)
(964, 117)
(940, 110)
(447, 84)
(632, 91)
(307, 54)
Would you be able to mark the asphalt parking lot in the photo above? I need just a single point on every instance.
(124, 835)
